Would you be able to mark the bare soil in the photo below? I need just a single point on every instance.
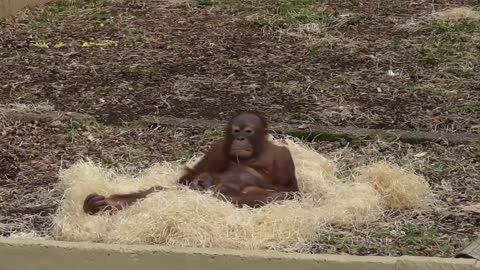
(208, 61)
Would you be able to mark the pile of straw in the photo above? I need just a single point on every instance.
(184, 218)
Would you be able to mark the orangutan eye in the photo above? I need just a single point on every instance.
(249, 131)
(236, 130)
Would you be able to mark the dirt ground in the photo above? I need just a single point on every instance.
(372, 64)
(296, 60)
(33, 154)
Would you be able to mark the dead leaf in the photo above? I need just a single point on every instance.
(252, 18)
(421, 154)
(88, 135)
(472, 208)
(56, 123)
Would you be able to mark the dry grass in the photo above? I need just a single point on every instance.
(37, 152)
(21, 107)
(181, 217)
(398, 188)
(457, 14)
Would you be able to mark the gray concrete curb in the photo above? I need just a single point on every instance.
(51, 255)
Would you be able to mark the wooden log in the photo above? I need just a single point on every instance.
(471, 252)
(314, 132)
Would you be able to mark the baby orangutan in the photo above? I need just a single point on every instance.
(243, 168)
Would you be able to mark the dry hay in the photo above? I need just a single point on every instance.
(457, 14)
(182, 217)
(19, 107)
(399, 188)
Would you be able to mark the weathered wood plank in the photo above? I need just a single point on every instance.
(471, 252)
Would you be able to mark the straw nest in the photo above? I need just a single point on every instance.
(182, 217)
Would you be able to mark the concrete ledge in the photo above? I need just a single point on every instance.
(410, 262)
(51, 255)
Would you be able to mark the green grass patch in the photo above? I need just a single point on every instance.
(407, 240)
(109, 163)
(295, 118)
(451, 47)
(103, 17)
(58, 8)
(430, 90)
(86, 125)
(457, 59)
(204, 2)
(135, 125)
(439, 171)
(434, 54)
(320, 87)
(235, 7)
(139, 158)
(464, 70)
(53, 11)
(317, 51)
(294, 12)
(209, 3)
(133, 37)
(401, 45)
(213, 134)
(466, 108)
(278, 12)
(182, 156)
(97, 3)
(354, 19)
(422, 237)
(77, 128)
(341, 241)
(233, 63)
(442, 28)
